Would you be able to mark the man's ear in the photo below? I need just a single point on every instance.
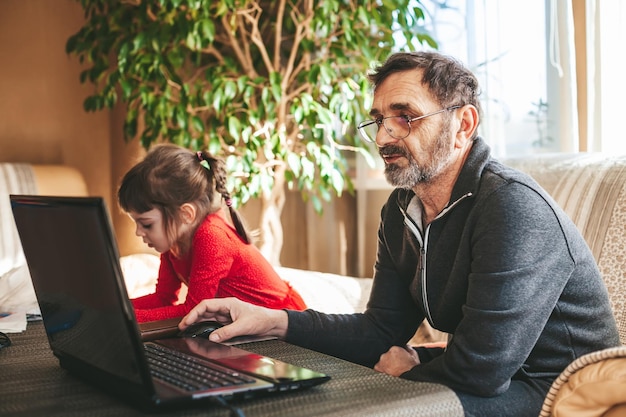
(188, 213)
(468, 123)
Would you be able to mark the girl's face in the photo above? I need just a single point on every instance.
(151, 229)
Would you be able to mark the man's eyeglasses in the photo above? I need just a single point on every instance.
(398, 127)
(4, 340)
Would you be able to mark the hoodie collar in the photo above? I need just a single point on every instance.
(469, 179)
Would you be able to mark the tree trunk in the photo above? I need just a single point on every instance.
(271, 228)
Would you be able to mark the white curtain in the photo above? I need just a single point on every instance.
(561, 75)
(606, 37)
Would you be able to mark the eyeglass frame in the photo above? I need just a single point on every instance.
(381, 122)
(4, 340)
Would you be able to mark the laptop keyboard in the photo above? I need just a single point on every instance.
(188, 372)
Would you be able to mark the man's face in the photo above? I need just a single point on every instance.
(427, 150)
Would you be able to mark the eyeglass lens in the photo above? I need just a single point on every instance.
(4, 340)
(369, 132)
(397, 127)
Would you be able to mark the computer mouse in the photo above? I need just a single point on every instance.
(201, 329)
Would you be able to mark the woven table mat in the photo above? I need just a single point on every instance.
(353, 390)
(33, 384)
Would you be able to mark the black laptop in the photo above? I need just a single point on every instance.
(73, 260)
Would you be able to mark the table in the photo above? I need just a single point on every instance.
(33, 384)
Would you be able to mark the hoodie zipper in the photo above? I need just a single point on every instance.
(421, 262)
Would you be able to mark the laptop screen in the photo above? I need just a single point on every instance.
(72, 255)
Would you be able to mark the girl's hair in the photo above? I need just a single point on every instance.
(170, 176)
(448, 80)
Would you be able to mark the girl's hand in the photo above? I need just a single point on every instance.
(239, 319)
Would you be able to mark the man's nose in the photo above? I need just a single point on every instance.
(383, 137)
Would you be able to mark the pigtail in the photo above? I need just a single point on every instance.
(236, 218)
(218, 169)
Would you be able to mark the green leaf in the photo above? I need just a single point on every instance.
(337, 181)
(317, 204)
(181, 119)
(293, 161)
(230, 90)
(207, 28)
(308, 168)
(127, 89)
(275, 83)
(197, 124)
(139, 41)
(234, 127)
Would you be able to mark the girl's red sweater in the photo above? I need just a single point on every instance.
(219, 264)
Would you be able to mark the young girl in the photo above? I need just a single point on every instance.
(175, 198)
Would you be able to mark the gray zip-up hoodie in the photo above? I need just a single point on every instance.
(502, 269)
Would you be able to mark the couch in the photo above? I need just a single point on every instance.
(590, 187)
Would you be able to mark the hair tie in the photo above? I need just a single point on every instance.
(203, 161)
(229, 201)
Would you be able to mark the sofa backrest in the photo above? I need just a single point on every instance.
(59, 180)
(591, 188)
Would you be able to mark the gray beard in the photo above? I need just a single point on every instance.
(406, 178)
(415, 174)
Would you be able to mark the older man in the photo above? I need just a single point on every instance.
(476, 248)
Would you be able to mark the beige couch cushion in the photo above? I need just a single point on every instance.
(59, 180)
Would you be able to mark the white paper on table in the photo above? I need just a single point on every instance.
(13, 322)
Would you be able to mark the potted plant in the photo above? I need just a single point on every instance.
(273, 86)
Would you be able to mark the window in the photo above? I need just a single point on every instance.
(513, 50)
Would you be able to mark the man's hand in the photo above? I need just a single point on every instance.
(240, 319)
(397, 360)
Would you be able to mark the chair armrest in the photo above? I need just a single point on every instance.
(590, 386)
(59, 180)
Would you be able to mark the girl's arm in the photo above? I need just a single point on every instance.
(166, 291)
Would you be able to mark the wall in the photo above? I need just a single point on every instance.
(326, 242)
(42, 121)
(40, 99)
